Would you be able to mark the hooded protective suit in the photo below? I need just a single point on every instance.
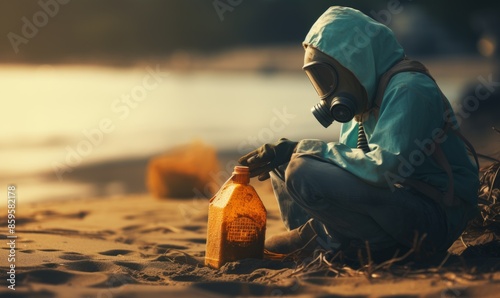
(347, 196)
(411, 114)
(356, 196)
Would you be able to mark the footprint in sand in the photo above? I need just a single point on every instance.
(88, 266)
(186, 278)
(73, 256)
(116, 252)
(179, 258)
(58, 277)
(163, 248)
(45, 276)
(115, 281)
(130, 265)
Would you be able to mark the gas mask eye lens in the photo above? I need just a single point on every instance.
(323, 78)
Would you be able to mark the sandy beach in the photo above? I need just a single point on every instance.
(122, 242)
(140, 246)
(122, 119)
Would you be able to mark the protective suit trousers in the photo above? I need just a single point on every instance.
(350, 209)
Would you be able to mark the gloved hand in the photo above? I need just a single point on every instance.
(268, 157)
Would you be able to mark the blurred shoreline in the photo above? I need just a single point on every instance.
(107, 178)
(269, 59)
(126, 174)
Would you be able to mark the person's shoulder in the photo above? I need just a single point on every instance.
(412, 84)
(412, 80)
(413, 89)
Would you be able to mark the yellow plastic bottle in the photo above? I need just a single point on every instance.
(236, 222)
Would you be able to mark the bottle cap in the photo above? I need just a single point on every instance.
(241, 170)
(241, 174)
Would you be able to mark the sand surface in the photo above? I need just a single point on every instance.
(139, 246)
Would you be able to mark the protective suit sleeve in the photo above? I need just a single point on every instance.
(411, 111)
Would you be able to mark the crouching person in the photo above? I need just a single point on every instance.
(400, 168)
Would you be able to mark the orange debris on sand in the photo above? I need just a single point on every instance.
(182, 171)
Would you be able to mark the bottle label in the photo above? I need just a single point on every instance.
(243, 231)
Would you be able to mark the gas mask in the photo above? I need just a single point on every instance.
(342, 95)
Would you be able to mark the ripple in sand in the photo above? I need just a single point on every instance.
(169, 246)
(116, 252)
(97, 235)
(146, 214)
(193, 228)
(178, 257)
(24, 220)
(125, 240)
(132, 227)
(163, 230)
(43, 214)
(197, 240)
(27, 251)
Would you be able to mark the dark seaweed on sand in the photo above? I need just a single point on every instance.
(482, 235)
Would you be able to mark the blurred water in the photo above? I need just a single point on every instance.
(46, 109)
(50, 114)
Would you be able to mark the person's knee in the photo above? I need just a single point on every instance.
(299, 181)
(297, 171)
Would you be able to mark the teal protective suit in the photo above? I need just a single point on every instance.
(411, 114)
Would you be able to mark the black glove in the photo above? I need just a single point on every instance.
(268, 157)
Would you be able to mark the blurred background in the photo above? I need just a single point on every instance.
(92, 89)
